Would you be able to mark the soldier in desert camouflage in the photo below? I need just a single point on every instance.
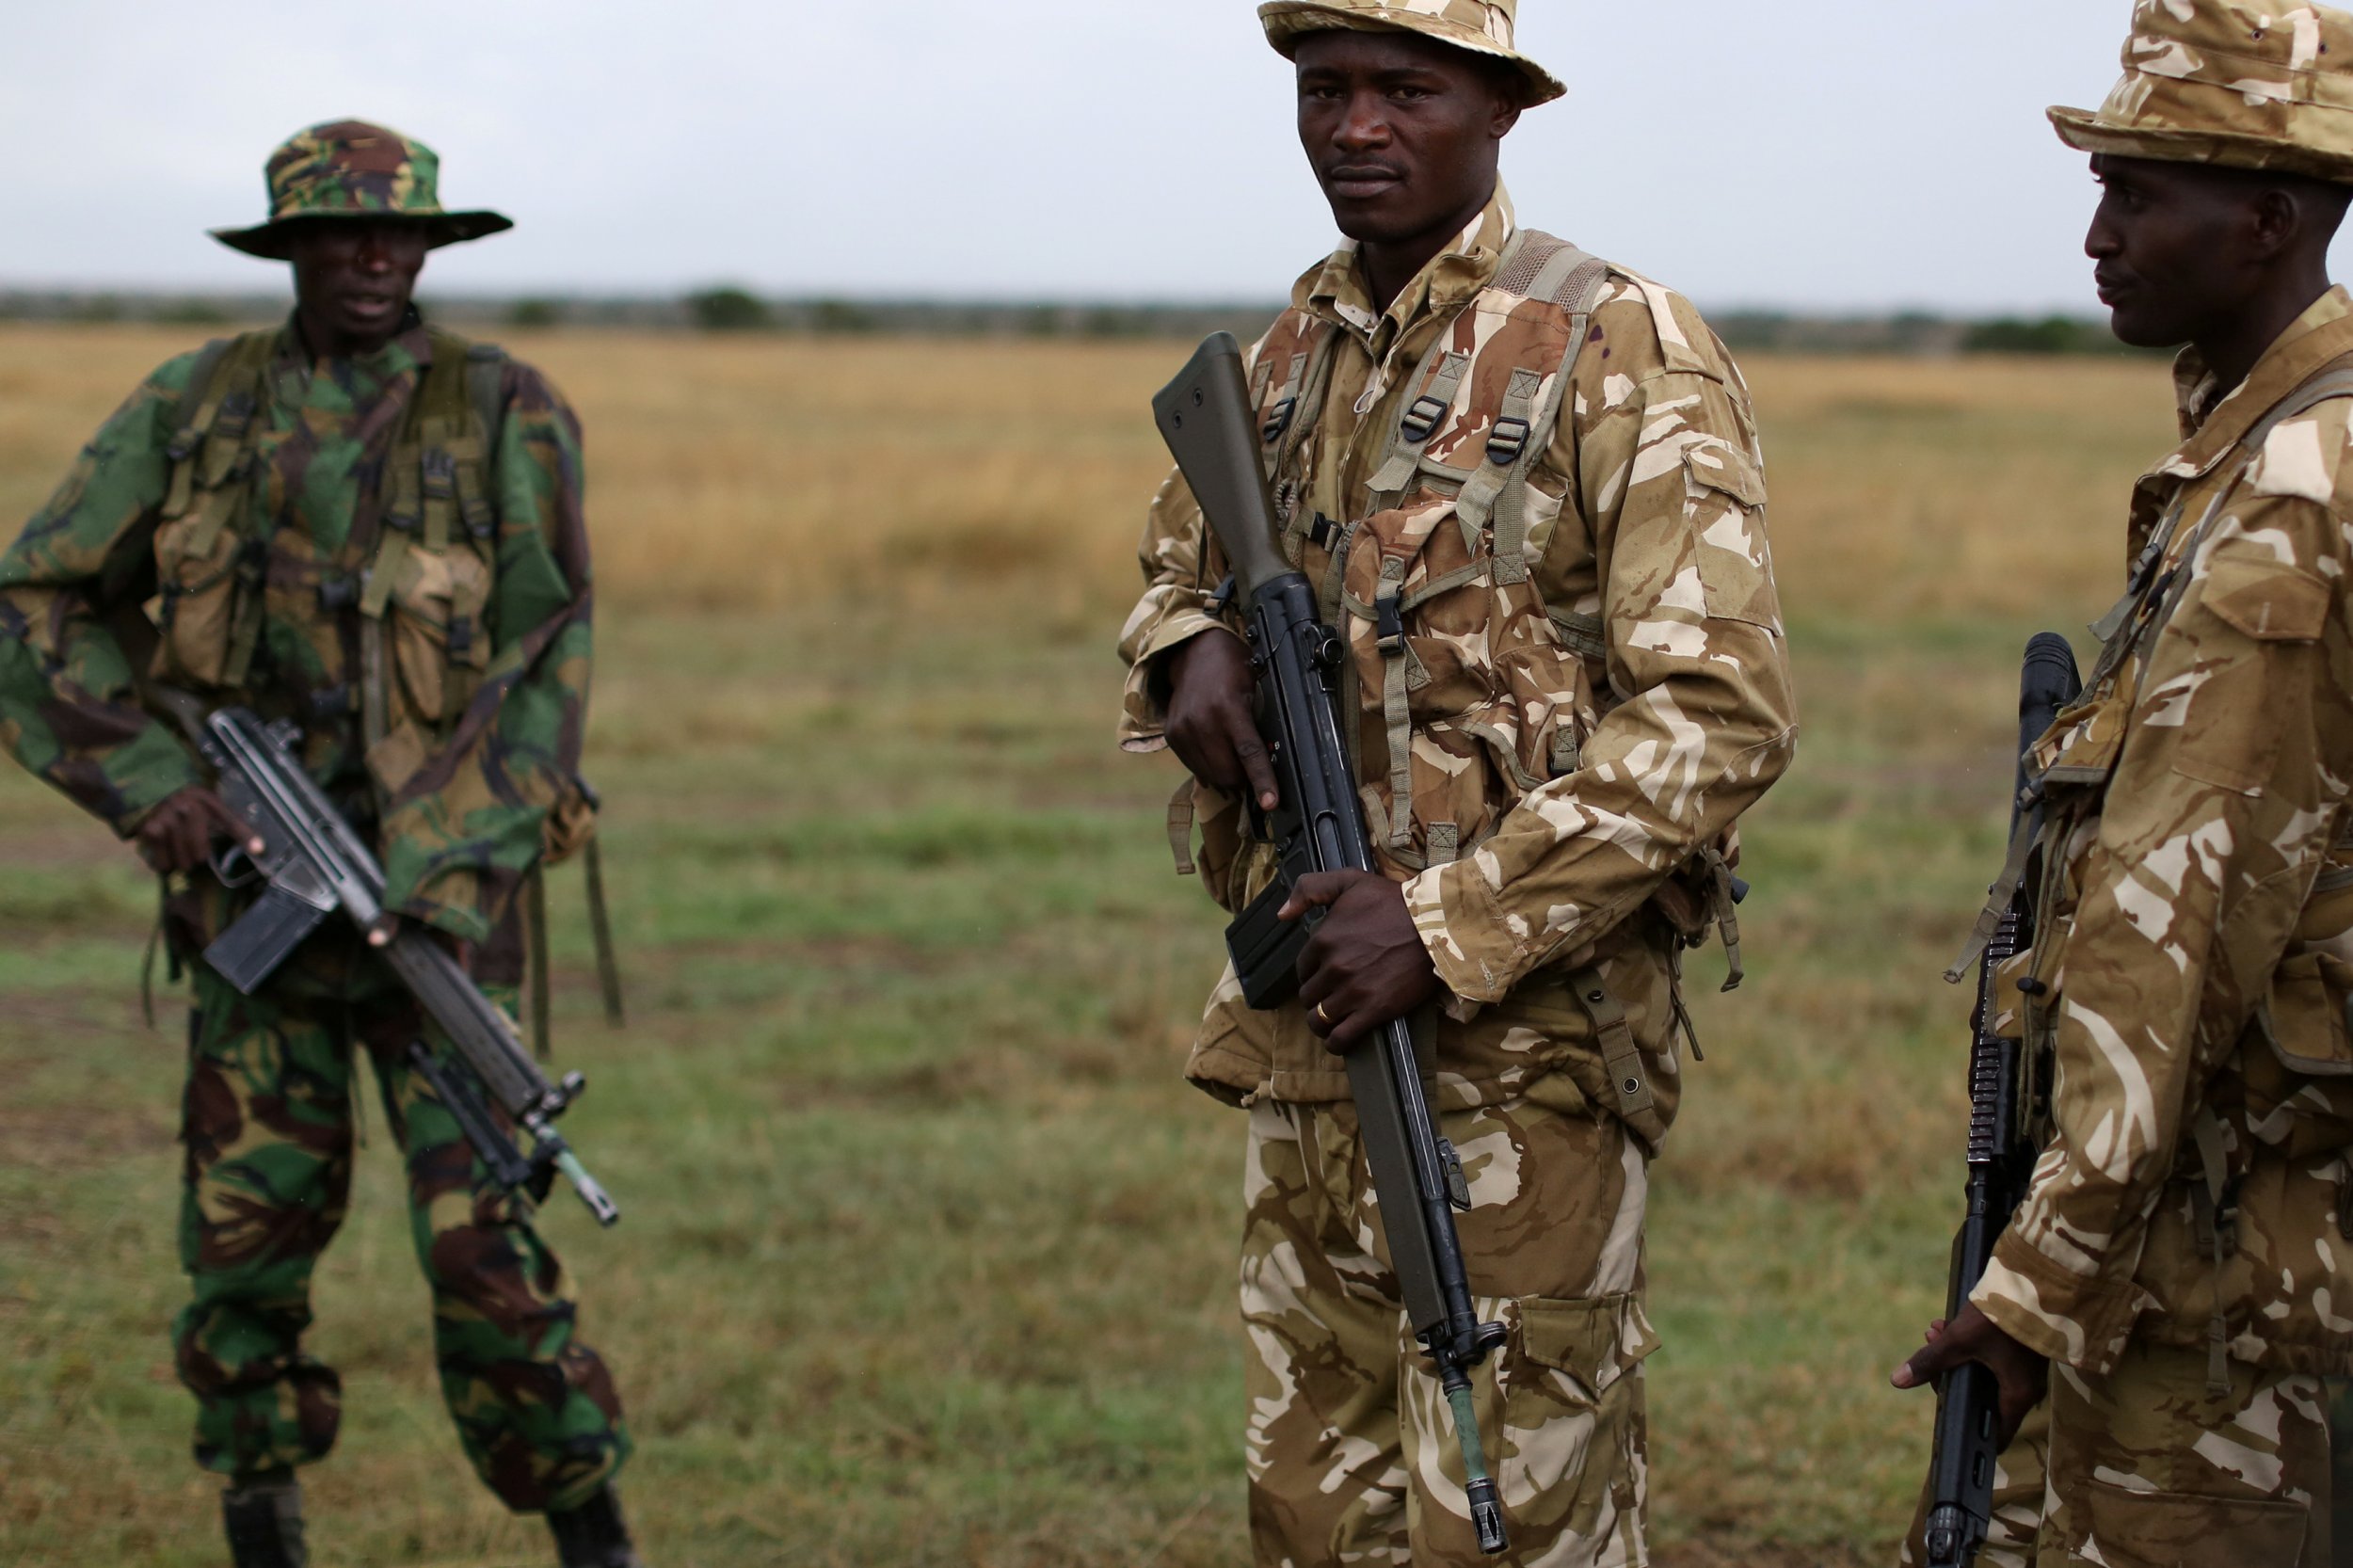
(372, 529)
(1529, 486)
(2180, 1273)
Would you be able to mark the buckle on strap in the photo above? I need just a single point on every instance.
(1507, 441)
(440, 475)
(1422, 419)
(1279, 419)
(1389, 620)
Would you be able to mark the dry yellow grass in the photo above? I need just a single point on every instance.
(977, 476)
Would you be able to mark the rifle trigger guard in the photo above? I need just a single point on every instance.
(235, 868)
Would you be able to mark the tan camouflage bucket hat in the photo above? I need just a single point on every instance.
(349, 169)
(2225, 82)
(1481, 26)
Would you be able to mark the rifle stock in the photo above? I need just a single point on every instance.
(1205, 416)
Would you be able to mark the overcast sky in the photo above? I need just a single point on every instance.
(1802, 153)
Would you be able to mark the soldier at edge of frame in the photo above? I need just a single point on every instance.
(2163, 1312)
(371, 529)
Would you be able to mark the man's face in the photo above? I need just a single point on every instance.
(2169, 240)
(1401, 131)
(353, 281)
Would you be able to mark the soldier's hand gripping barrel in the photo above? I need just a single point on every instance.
(1205, 416)
(2001, 1147)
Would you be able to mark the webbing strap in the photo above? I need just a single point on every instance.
(1396, 707)
(201, 400)
(1628, 1078)
(601, 927)
(1439, 376)
(2216, 1226)
(536, 935)
(1582, 285)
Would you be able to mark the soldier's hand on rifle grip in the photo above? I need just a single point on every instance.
(1212, 722)
(2021, 1375)
(1365, 964)
(178, 835)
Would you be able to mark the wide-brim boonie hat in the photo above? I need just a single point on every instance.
(348, 169)
(1481, 26)
(2227, 83)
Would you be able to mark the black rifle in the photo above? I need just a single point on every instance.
(312, 865)
(2005, 1083)
(1205, 416)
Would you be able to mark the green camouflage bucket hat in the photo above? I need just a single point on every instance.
(1481, 26)
(349, 168)
(2224, 82)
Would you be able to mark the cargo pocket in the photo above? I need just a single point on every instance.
(1575, 1443)
(2236, 643)
(1726, 493)
(2117, 1529)
(198, 596)
(2303, 1016)
(438, 644)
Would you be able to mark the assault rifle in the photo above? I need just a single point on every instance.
(2005, 1085)
(1205, 416)
(314, 865)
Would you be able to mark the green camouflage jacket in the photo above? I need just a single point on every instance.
(1577, 722)
(2197, 955)
(458, 823)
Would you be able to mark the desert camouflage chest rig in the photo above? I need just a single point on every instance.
(1438, 560)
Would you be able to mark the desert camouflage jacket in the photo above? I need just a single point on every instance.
(504, 690)
(1575, 730)
(2196, 955)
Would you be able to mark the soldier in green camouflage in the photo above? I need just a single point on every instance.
(372, 529)
(2180, 1271)
(1528, 486)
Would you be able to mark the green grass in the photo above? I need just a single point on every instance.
(927, 1252)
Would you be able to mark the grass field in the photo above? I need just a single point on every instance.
(928, 1251)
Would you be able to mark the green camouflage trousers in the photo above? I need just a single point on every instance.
(2145, 1469)
(1353, 1457)
(272, 1091)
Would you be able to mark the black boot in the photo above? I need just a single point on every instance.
(593, 1536)
(265, 1521)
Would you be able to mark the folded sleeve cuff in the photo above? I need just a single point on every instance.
(1143, 717)
(1465, 931)
(2054, 1311)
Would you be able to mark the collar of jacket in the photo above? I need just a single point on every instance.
(2322, 333)
(1336, 291)
(410, 348)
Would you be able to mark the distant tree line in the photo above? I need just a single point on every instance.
(729, 308)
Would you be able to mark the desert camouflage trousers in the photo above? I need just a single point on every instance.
(2146, 1468)
(271, 1099)
(1352, 1456)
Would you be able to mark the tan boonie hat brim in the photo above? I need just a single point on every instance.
(2219, 82)
(1287, 20)
(273, 241)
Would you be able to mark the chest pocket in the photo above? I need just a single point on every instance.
(210, 571)
(426, 603)
(2247, 629)
(1469, 698)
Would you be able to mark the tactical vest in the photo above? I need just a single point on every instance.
(1473, 691)
(429, 530)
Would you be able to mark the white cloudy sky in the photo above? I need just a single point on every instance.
(1809, 153)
